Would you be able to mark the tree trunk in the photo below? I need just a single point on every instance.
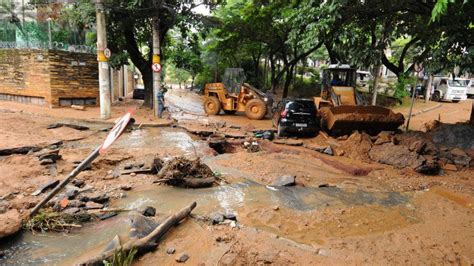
(376, 73)
(288, 78)
(147, 76)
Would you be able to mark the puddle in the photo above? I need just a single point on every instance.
(245, 199)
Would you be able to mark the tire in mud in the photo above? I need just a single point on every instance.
(255, 109)
(212, 106)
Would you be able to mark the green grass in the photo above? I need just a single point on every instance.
(122, 258)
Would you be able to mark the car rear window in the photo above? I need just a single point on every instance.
(300, 105)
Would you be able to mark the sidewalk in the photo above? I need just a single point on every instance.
(142, 115)
(418, 108)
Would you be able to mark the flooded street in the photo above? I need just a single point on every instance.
(339, 209)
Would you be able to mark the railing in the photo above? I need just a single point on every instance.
(45, 46)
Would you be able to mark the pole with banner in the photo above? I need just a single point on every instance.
(115, 133)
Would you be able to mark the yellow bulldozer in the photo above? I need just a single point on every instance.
(342, 109)
(234, 95)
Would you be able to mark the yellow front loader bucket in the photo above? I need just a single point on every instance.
(348, 118)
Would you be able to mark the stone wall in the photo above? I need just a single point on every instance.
(50, 75)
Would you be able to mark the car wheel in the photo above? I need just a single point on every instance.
(255, 109)
(212, 106)
(280, 131)
(436, 97)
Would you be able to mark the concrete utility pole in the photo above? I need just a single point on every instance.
(104, 86)
(156, 60)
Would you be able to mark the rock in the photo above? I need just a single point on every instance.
(71, 211)
(71, 193)
(396, 155)
(78, 183)
(284, 181)
(460, 157)
(182, 258)
(43, 188)
(10, 223)
(90, 205)
(233, 224)
(133, 174)
(63, 203)
(289, 142)
(140, 225)
(52, 170)
(170, 250)
(149, 211)
(276, 208)
(98, 198)
(51, 156)
(450, 167)
(328, 151)
(216, 218)
(76, 203)
(383, 137)
(126, 187)
(418, 146)
(107, 215)
(128, 166)
(46, 161)
(230, 216)
(339, 152)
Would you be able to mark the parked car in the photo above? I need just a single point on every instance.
(139, 92)
(448, 89)
(295, 116)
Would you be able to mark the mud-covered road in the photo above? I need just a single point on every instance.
(341, 211)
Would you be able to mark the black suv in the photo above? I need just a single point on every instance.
(295, 116)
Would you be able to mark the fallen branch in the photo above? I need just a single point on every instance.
(146, 243)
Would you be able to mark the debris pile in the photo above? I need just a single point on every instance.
(186, 173)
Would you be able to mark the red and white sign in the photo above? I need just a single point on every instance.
(116, 131)
(107, 53)
(156, 67)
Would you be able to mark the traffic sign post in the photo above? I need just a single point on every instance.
(115, 133)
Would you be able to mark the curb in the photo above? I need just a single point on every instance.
(427, 110)
(90, 121)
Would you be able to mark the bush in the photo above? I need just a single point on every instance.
(305, 88)
(400, 91)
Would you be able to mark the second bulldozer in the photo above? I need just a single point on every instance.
(233, 95)
(342, 109)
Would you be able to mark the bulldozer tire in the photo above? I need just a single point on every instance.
(229, 112)
(212, 106)
(255, 109)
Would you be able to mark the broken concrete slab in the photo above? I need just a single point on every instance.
(43, 188)
(90, 205)
(284, 181)
(182, 258)
(19, 150)
(289, 142)
(398, 156)
(77, 127)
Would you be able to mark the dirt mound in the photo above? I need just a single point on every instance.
(182, 172)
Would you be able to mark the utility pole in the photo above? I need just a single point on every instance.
(104, 86)
(156, 74)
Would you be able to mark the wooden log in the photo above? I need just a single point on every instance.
(146, 243)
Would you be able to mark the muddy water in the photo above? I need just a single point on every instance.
(244, 199)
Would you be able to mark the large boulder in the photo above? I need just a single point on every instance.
(10, 223)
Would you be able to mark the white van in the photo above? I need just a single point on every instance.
(448, 89)
(470, 89)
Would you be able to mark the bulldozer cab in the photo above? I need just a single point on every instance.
(339, 85)
(233, 80)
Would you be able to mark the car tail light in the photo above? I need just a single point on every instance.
(283, 113)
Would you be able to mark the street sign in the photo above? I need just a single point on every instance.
(156, 67)
(116, 131)
(107, 53)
